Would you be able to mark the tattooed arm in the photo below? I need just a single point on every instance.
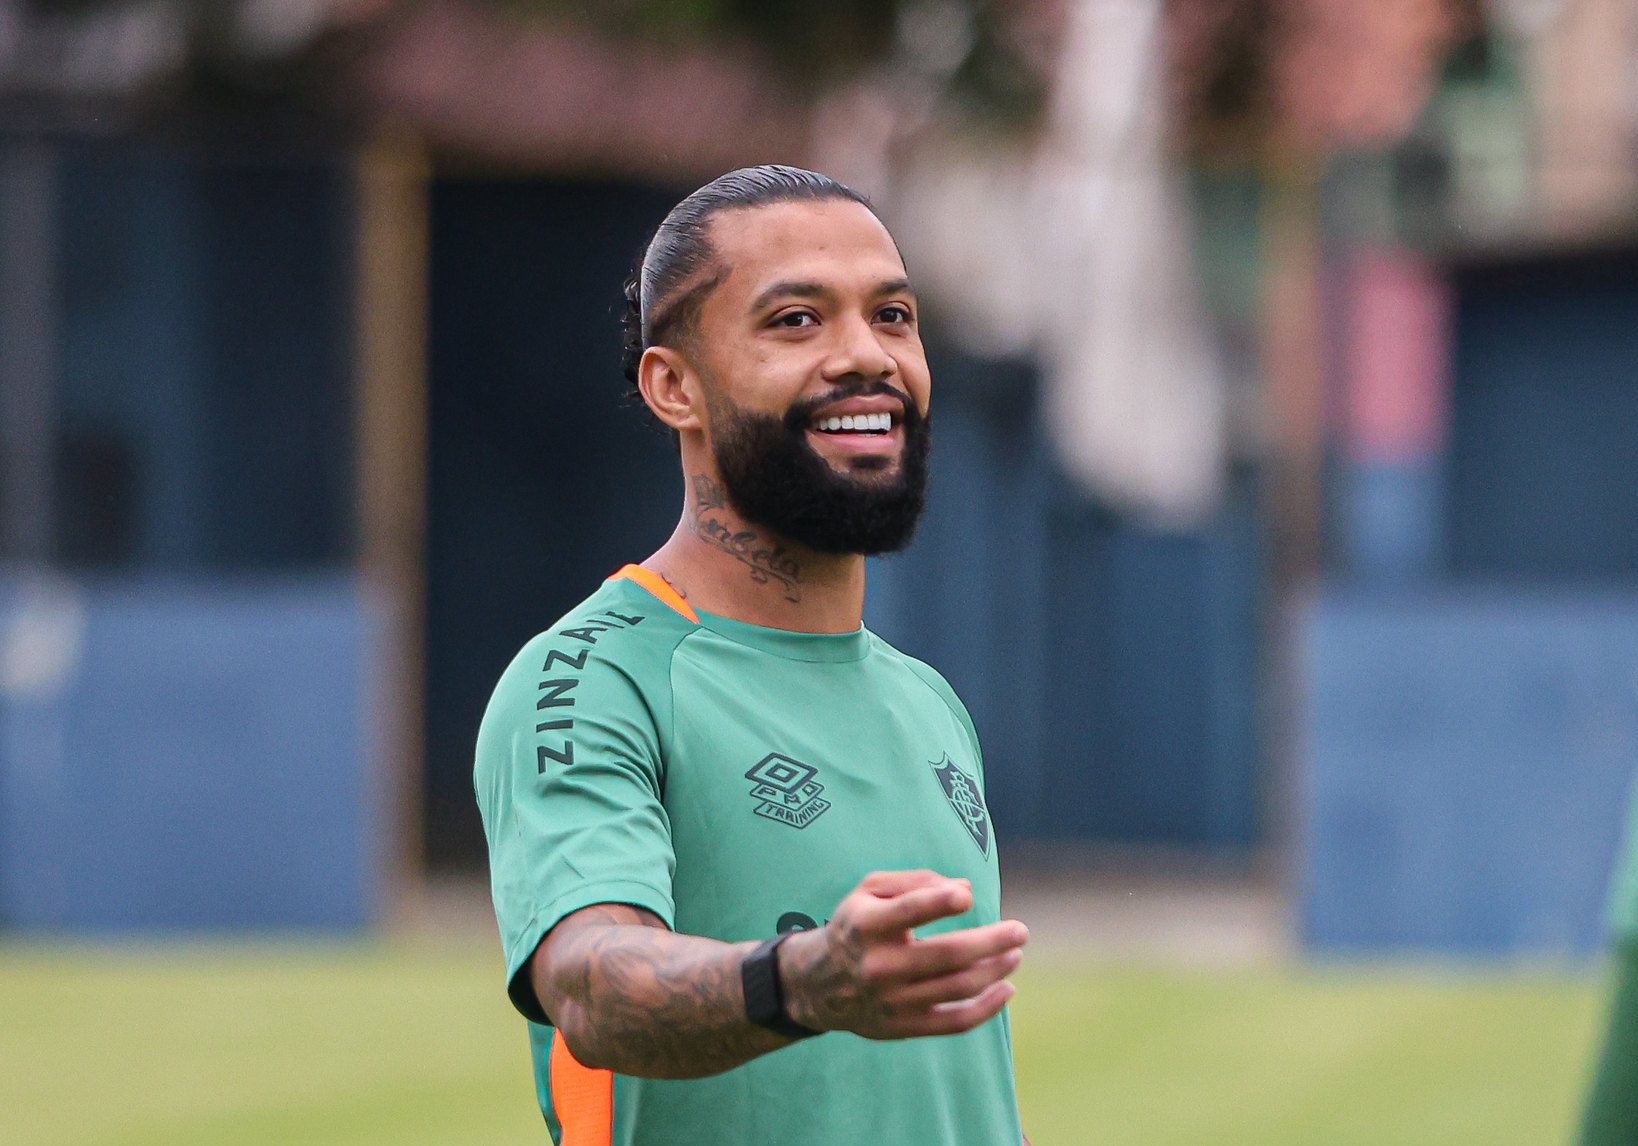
(633, 997)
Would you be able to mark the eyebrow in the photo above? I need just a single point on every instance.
(804, 289)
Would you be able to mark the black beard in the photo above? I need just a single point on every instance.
(774, 478)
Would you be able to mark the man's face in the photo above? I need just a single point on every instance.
(816, 382)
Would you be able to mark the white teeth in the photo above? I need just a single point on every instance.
(868, 423)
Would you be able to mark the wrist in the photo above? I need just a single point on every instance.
(796, 955)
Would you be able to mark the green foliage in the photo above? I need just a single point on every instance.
(812, 43)
(828, 34)
(358, 1045)
(819, 43)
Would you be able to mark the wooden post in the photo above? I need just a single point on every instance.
(391, 384)
(1294, 406)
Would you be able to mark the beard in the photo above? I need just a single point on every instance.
(776, 479)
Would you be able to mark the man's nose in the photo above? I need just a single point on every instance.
(859, 352)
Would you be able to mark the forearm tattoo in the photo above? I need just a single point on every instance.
(641, 1000)
(769, 564)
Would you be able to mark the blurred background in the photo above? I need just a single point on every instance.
(1283, 536)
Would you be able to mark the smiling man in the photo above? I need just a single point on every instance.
(740, 854)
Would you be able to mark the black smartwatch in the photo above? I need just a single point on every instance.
(764, 997)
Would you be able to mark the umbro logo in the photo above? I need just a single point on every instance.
(786, 790)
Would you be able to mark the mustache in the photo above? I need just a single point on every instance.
(798, 417)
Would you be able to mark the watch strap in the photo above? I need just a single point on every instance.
(764, 995)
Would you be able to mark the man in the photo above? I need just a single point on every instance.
(740, 856)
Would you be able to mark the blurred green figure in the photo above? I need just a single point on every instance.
(1611, 1117)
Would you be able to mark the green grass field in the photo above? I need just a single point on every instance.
(412, 1045)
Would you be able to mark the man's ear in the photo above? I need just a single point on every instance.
(670, 387)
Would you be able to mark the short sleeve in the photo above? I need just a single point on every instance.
(568, 776)
(935, 681)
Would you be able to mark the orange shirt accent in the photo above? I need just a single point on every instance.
(582, 1098)
(658, 586)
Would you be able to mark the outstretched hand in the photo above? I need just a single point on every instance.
(865, 972)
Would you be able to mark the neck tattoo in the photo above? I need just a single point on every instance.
(769, 564)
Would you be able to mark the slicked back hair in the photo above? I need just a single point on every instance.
(675, 273)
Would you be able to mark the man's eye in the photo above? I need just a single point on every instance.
(894, 313)
(795, 318)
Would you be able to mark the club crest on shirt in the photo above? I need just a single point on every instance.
(786, 790)
(966, 800)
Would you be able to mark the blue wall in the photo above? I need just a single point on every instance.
(1469, 757)
(182, 706)
(1472, 727)
(187, 756)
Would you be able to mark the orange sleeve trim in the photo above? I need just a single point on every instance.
(582, 1098)
(658, 586)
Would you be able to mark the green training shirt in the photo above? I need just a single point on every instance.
(736, 781)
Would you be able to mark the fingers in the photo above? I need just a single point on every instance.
(967, 983)
(897, 986)
(945, 954)
(889, 883)
(957, 1018)
(878, 916)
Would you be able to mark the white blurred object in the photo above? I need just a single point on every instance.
(1077, 248)
(1525, 17)
(42, 640)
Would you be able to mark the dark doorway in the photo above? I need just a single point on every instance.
(543, 479)
(1543, 465)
